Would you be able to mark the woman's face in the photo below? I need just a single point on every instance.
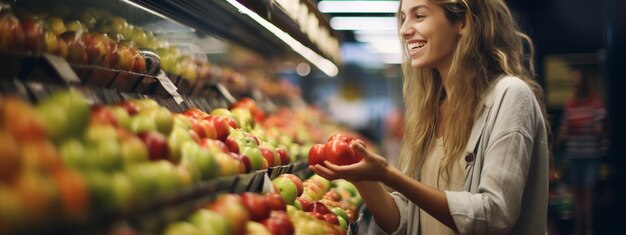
(429, 37)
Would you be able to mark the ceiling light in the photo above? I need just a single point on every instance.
(325, 65)
(358, 6)
(364, 23)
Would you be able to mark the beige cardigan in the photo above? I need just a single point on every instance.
(506, 182)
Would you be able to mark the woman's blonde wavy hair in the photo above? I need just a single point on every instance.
(492, 45)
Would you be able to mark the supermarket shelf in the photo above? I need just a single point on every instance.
(224, 20)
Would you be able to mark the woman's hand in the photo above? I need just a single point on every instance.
(372, 168)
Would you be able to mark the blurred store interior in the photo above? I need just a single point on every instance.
(353, 73)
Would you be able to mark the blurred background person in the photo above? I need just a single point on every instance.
(581, 138)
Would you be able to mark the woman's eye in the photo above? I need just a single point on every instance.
(419, 17)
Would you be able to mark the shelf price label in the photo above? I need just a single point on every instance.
(169, 87)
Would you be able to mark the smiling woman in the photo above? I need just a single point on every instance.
(475, 144)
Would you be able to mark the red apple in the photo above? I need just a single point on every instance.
(303, 202)
(139, 65)
(316, 155)
(341, 137)
(258, 205)
(157, 144)
(279, 223)
(10, 159)
(331, 218)
(76, 52)
(11, 33)
(277, 203)
(284, 156)
(195, 113)
(269, 156)
(296, 180)
(129, 107)
(203, 128)
(222, 126)
(340, 153)
(245, 164)
(317, 215)
(33, 35)
(98, 49)
(317, 207)
(124, 59)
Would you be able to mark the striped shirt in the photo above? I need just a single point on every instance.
(580, 123)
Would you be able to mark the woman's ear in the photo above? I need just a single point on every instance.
(462, 26)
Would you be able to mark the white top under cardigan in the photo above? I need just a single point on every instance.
(506, 183)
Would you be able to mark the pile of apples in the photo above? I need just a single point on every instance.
(36, 188)
(66, 158)
(247, 213)
(318, 204)
(94, 37)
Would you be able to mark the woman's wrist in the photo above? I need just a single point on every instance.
(389, 174)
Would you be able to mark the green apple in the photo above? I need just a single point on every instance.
(181, 121)
(75, 26)
(179, 228)
(175, 141)
(342, 223)
(64, 114)
(325, 182)
(161, 117)
(227, 164)
(210, 222)
(167, 177)
(142, 176)
(257, 161)
(244, 117)
(122, 192)
(99, 184)
(121, 116)
(201, 158)
(340, 213)
(55, 25)
(145, 104)
(231, 207)
(343, 184)
(133, 150)
(286, 188)
(98, 132)
(73, 153)
(256, 228)
(105, 155)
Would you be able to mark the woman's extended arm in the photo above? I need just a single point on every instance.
(375, 168)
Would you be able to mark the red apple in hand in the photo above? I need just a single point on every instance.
(341, 137)
(340, 153)
(11, 33)
(316, 155)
